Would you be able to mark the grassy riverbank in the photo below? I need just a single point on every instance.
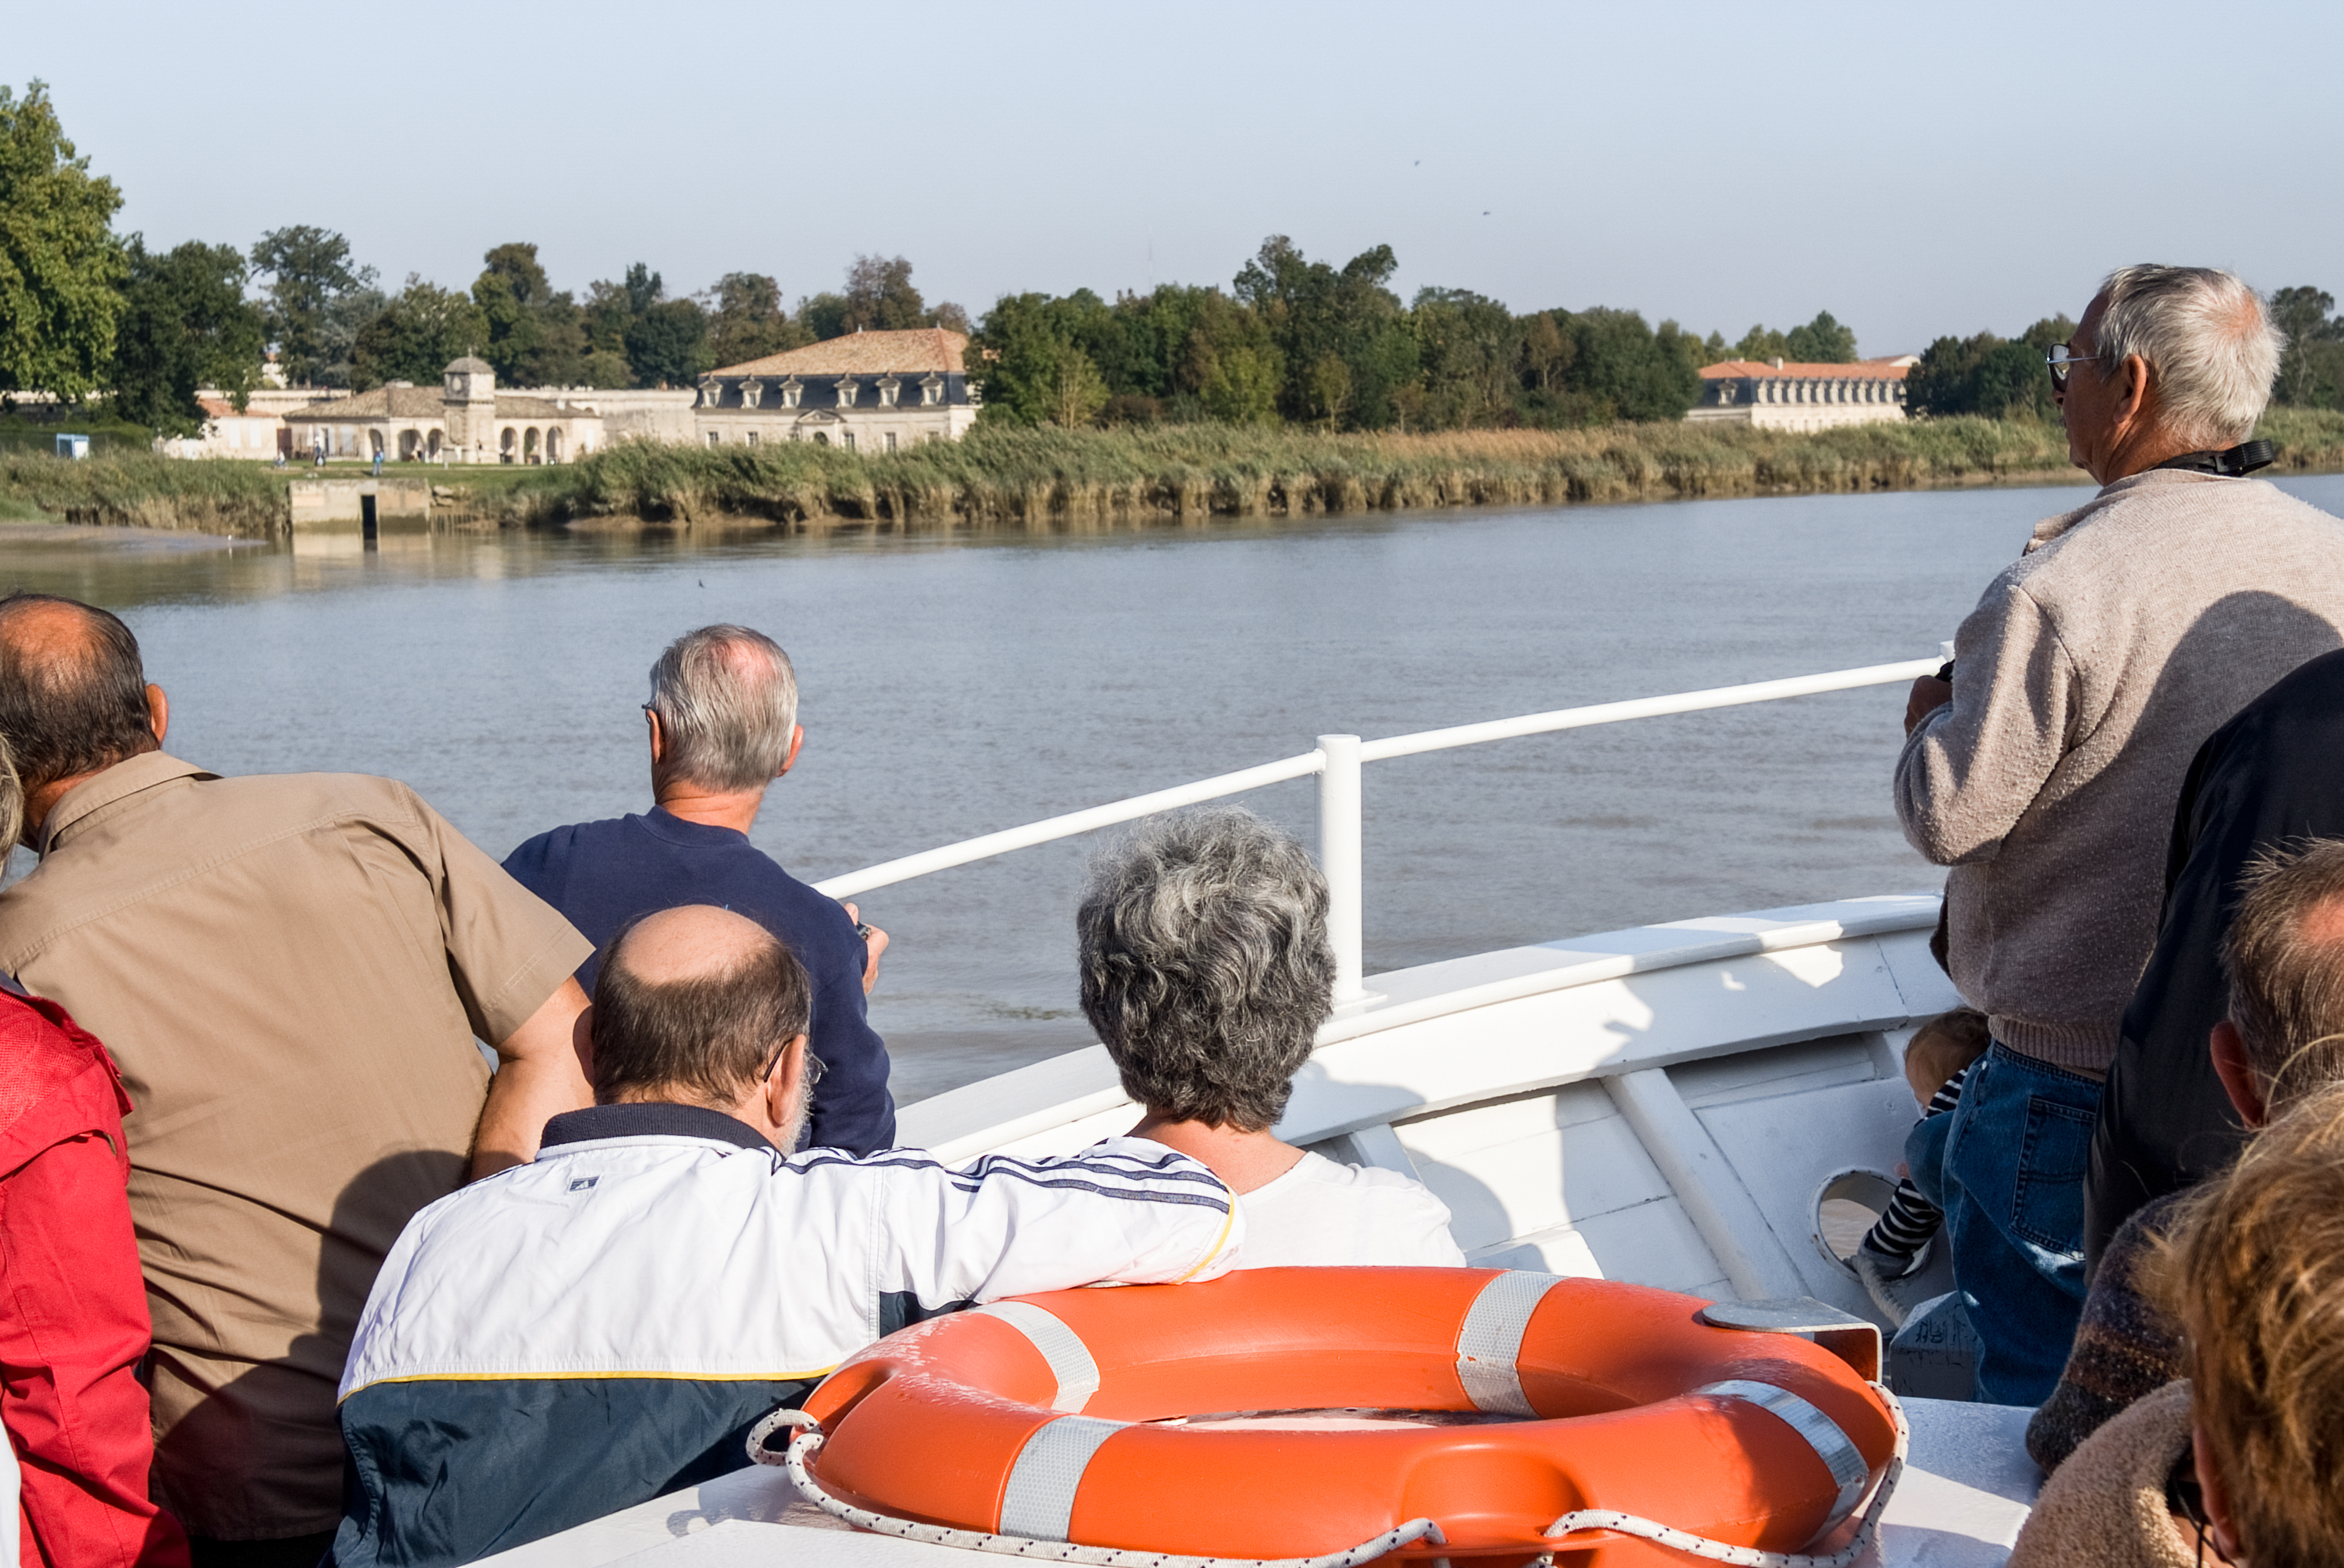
(1048, 478)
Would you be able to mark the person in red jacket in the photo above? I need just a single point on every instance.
(73, 1307)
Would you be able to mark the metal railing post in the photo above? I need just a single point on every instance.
(1339, 860)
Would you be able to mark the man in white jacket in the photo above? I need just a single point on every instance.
(603, 1325)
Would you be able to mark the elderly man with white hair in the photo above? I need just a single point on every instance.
(2045, 771)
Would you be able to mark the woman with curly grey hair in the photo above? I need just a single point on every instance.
(1206, 972)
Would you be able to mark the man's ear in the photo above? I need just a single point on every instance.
(2215, 1492)
(2133, 393)
(787, 1098)
(158, 713)
(581, 1041)
(659, 737)
(797, 739)
(2239, 1080)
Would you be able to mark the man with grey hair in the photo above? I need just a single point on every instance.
(722, 726)
(1207, 973)
(2044, 772)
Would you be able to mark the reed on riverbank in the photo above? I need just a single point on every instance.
(1045, 478)
(140, 490)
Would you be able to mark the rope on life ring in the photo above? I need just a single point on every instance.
(808, 1442)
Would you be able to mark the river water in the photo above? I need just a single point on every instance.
(953, 685)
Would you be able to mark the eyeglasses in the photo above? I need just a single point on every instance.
(2059, 357)
(814, 1066)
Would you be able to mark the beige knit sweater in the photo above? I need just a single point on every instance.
(2088, 676)
(2106, 1506)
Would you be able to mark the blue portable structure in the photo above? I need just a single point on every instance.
(76, 447)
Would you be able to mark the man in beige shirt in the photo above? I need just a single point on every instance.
(291, 972)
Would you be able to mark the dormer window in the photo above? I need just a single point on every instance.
(751, 391)
(888, 388)
(711, 393)
(931, 391)
(789, 390)
(847, 388)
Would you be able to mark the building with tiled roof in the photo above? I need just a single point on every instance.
(867, 391)
(464, 419)
(1775, 396)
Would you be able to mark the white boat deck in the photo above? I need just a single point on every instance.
(1963, 1498)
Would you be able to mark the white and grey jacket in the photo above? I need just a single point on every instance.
(603, 1326)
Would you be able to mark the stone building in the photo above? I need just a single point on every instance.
(464, 419)
(867, 391)
(1775, 396)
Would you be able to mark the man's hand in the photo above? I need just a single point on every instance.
(1929, 693)
(541, 1073)
(874, 942)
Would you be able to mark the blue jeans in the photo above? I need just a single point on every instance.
(2007, 1166)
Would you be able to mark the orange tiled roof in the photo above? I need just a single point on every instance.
(929, 349)
(1862, 370)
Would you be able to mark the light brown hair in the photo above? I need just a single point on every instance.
(2285, 965)
(2255, 1272)
(1943, 1046)
(711, 1037)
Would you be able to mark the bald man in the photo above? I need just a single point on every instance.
(290, 971)
(604, 1325)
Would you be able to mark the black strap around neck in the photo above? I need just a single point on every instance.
(2235, 462)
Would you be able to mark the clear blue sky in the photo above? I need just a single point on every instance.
(1914, 169)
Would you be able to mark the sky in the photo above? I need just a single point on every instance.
(1916, 170)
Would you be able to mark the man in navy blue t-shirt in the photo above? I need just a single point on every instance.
(724, 727)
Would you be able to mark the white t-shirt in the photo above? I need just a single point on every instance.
(1322, 1215)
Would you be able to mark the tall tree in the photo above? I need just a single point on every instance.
(1470, 345)
(309, 274)
(880, 296)
(415, 335)
(2308, 368)
(747, 321)
(536, 338)
(668, 344)
(1313, 310)
(60, 264)
(1621, 363)
(184, 324)
(1822, 341)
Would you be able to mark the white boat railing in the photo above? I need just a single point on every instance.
(1336, 760)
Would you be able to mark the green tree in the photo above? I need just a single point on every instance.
(1620, 364)
(825, 316)
(2308, 366)
(60, 262)
(315, 302)
(184, 324)
(610, 309)
(1985, 374)
(1229, 370)
(746, 320)
(1822, 341)
(1761, 344)
(1312, 310)
(1471, 347)
(1547, 351)
(1077, 391)
(667, 346)
(880, 296)
(537, 337)
(414, 337)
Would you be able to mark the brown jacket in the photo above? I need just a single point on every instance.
(2107, 1505)
(2088, 676)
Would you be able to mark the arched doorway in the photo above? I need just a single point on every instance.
(554, 445)
(505, 444)
(822, 437)
(528, 445)
(374, 443)
(408, 440)
(431, 445)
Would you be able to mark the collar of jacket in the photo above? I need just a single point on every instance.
(651, 1119)
(144, 772)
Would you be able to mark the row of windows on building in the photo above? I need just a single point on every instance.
(822, 439)
(1788, 391)
(786, 394)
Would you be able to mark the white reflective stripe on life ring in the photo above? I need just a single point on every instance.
(1820, 1433)
(1070, 1359)
(1038, 1502)
(1491, 1340)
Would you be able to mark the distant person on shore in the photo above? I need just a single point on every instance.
(1206, 972)
(291, 972)
(74, 1327)
(667, 1272)
(2266, 781)
(2044, 772)
(2281, 1040)
(722, 726)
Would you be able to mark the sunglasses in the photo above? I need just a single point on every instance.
(2059, 357)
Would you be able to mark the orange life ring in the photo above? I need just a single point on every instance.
(1045, 1417)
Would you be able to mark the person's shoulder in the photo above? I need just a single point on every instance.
(570, 838)
(1319, 1171)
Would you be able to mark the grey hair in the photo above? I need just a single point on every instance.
(12, 801)
(727, 700)
(2213, 346)
(1206, 968)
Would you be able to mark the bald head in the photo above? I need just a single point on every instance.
(694, 1004)
(73, 696)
